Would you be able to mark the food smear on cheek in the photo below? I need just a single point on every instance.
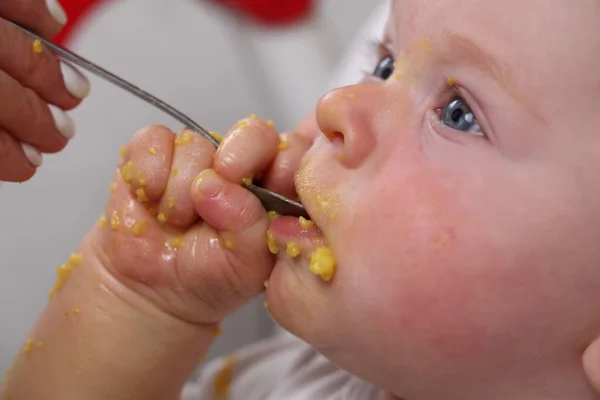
(319, 200)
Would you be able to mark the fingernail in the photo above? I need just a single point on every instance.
(77, 84)
(208, 182)
(32, 154)
(57, 12)
(63, 122)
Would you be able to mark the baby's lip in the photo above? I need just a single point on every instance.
(288, 231)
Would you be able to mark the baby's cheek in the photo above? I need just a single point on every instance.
(409, 275)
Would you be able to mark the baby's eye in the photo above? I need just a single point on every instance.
(458, 115)
(385, 68)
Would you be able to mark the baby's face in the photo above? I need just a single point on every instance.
(464, 213)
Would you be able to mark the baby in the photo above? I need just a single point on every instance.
(456, 189)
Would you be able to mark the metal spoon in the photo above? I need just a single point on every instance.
(270, 200)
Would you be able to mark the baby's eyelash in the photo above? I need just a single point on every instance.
(445, 91)
(379, 50)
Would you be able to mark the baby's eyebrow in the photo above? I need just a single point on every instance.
(455, 48)
(463, 49)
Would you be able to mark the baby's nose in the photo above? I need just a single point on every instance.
(346, 118)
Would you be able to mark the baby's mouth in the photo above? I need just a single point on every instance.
(299, 238)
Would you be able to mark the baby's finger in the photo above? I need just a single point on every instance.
(242, 224)
(247, 149)
(18, 161)
(192, 154)
(280, 175)
(146, 162)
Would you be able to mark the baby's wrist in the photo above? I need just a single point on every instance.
(97, 339)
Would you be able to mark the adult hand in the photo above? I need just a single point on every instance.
(35, 89)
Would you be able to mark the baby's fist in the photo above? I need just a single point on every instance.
(183, 232)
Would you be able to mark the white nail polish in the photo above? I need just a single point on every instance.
(33, 155)
(57, 12)
(77, 84)
(63, 122)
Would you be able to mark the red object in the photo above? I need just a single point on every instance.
(270, 12)
(77, 11)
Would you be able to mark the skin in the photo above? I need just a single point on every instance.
(28, 83)
(467, 267)
(467, 264)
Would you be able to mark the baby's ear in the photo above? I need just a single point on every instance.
(591, 363)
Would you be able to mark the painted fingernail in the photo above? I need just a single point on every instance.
(57, 12)
(63, 122)
(208, 183)
(32, 154)
(76, 83)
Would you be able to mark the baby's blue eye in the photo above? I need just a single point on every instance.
(385, 68)
(458, 115)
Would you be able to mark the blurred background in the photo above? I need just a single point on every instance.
(210, 62)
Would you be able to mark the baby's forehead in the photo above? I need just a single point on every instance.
(546, 29)
(538, 44)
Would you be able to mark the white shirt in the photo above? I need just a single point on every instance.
(282, 367)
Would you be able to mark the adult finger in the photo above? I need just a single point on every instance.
(18, 161)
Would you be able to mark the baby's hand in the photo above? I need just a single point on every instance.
(180, 230)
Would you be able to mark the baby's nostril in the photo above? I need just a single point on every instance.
(337, 141)
(334, 136)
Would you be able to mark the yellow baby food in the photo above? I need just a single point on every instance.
(247, 181)
(271, 243)
(305, 223)
(141, 180)
(101, 222)
(222, 382)
(322, 263)
(177, 243)
(152, 150)
(28, 345)
(293, 249)
(284, 143)
(172, 202)
(161, 217)
(185, 138)
(114, 221)
(141, 195)
(64, 271)
(37, 46)
(216, 135)
(139, 227)
(272, 215)
(126, 171)
(228, 243)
